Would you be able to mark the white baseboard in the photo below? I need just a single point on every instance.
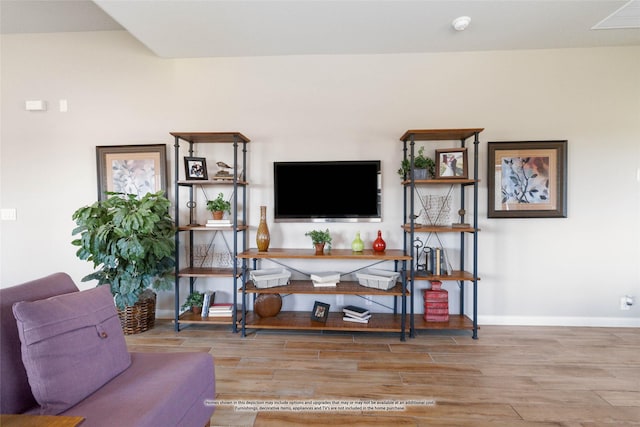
(604, 322)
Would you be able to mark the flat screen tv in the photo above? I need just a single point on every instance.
(327, 191)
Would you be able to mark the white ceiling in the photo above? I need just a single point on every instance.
(210, 28)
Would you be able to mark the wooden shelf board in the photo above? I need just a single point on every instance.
(189, 317)
(439, 134)
(208, 137)
(456, 321)
(367, 254)
(306, 287)
(190, 182)
(217, 228)
(298, 320)
(207, 272)
(455, 275)
(449, 181)
(420, 228)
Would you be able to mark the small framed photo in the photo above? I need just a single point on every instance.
(195, 168)
(131, 169)
(320, 312)
(451, 163)
(527, 179)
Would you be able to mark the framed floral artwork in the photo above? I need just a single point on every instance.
(131, 169)
(527, 179)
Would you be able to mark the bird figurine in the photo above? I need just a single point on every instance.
(223, 173)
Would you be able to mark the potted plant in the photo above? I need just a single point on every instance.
(424, 167)
(219, 206)
(131, 242)
(320, 238)
(194, 301)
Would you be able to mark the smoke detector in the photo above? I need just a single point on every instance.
(461, 23)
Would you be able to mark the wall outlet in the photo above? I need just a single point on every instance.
(626, 302)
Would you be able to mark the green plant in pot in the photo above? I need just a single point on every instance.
(420, 163)
(194, 301)
(219, 206)
(320, 238)
(131, 242)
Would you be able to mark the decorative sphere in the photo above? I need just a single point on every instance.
(267, 305)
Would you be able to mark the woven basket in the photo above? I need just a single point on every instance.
(141, 316)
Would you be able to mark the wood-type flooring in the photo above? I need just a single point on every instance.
(511, 376)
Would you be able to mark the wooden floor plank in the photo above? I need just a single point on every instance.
(511, 376)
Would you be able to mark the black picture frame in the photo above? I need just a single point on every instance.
(195, 168)
(131, 169)
(320, 312)
(451, 163)
(527, 179)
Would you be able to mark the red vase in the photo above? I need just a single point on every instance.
(379, 245)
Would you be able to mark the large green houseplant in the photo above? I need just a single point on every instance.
(130, 241)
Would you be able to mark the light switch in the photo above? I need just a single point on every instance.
(8, 214)
(64, 106)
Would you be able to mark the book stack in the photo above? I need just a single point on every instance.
(357, 314)
(325, 279)
(207, 300)
(436, 303)
(218, 223)
(221, 310)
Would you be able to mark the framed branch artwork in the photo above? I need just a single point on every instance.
(527, 179)
(131, 169)
(195, 168)
(451, 163)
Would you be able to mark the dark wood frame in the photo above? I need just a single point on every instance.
(320, 312)
(157, 153)
(554, 169)
(465, 168)
(203, 165)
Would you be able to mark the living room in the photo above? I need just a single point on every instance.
(560, 272)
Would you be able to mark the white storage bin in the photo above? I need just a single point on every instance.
(270, 278)
(379, 279)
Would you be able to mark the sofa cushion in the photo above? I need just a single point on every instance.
(158, 389)
(72, 344)
(15, 392)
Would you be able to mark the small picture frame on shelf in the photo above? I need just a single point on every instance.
(320, 312)
(451, 163)
(195, 168)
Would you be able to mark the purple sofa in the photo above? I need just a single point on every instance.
(148, 389)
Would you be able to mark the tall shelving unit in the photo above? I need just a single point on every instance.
(393, 321)
(464, 275)
(186, 232)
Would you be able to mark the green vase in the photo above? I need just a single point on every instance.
(357, 245)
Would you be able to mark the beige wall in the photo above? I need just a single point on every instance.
(534, 271)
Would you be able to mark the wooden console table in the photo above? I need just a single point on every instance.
(20, 420)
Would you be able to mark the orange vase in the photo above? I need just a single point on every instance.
(262, 236)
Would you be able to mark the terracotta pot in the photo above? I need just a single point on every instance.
(196, 310)
(218, 214)
(319, 248)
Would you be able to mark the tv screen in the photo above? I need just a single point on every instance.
(327, 191)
